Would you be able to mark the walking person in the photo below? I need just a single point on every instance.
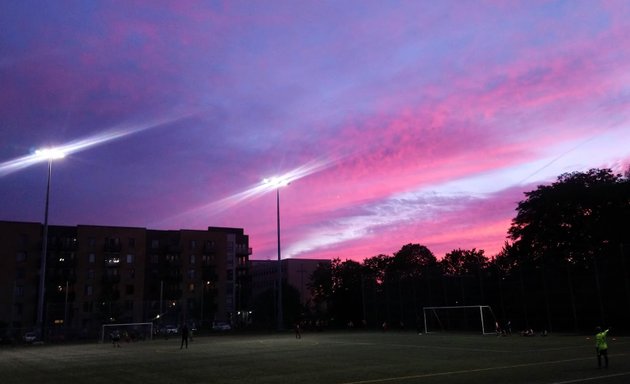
(298, 332)
(184, 331)
(601, 346)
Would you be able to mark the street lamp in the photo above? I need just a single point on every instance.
(278, 182)
(49, 154)
(203, 290)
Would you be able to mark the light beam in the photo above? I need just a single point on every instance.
(11, 166)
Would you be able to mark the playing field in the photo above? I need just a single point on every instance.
(335, 358)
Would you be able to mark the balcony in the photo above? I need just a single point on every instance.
(173, 248)
(63, 244)
(243, 250)
(112, 261)
(111, 279)
(112, 247)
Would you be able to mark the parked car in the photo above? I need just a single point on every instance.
(30, 337)
(221, 326)
(171, 329)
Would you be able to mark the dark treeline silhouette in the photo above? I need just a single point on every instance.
(564, 267)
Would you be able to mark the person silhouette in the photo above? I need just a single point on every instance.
(184, 330)
(601, 346)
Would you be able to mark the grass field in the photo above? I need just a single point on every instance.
(335, 358)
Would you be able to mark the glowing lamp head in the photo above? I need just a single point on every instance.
(277, 182)
(50, 153)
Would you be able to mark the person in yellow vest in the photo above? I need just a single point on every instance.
(601, 346)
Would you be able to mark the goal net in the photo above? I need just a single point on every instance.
(466, 318)
(127, 332)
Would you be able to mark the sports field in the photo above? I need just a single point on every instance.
(328, 357)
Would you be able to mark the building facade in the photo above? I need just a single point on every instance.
(102, 274)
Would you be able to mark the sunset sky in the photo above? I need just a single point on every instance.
(398, 121)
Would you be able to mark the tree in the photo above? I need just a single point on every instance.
(466, 267)
(265, 307)
(346, 294)
(460, 262)
(408, 282)
(568, 237)
(320, 285)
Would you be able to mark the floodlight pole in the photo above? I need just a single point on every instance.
(42, 267)
(280, 317)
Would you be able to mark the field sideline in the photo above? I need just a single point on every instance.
(329, 357)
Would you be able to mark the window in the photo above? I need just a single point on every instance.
(19, 291)
(92, 242)
(129, 305)
(191, 287)
(155, 259)
(191, 274)
(20, 257)
(155, 244)
(132, 242)
(192, 259)
(90, 274)
(20, 273)
(91, 258)
(129, 289)
(23, 242)
(112, 241)
(193, 244)
(87, 306)
(89, 290)
(18, 308)
(132, 273)
(129, 259)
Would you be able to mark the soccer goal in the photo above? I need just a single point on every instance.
(128, 331)
(464, 318)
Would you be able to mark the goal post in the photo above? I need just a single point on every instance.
(460, 318)
(128, 331)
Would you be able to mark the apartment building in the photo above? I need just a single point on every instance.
(103, 274)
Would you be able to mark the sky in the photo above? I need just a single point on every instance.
(395, 122)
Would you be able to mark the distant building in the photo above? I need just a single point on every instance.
(102, 274)
(295, 272)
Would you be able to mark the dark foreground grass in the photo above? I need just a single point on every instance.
(335, 358)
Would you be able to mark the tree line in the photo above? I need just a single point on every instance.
(564, 267)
